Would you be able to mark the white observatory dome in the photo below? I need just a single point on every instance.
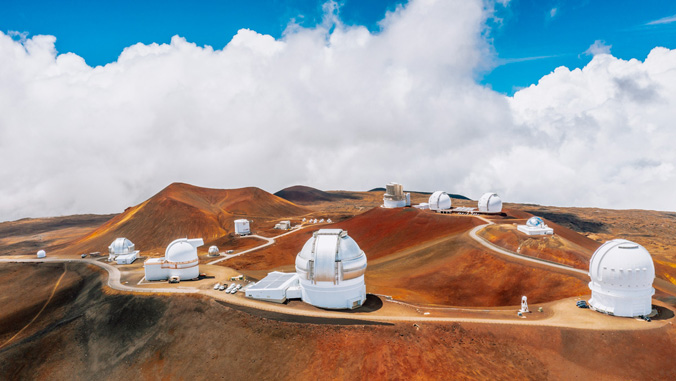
(121, 246)
(535, 222)
(183, 250)
(213, 251)
(42, 254)
(330, 269)
(490, 203)
(440, 201)
(622, 274)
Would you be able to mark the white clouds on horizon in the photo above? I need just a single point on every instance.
(333, 107)
(598, 47)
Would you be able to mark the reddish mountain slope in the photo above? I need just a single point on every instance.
(182, 210)
(301, 194)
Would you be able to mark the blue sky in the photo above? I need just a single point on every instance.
(530, 38)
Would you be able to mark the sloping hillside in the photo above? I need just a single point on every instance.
(301, 194)
(182, 210)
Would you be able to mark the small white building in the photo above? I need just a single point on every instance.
(242, 227)
(276, 287)
(213, 251)
(180, 260)
(535, 226)
(622, 274)
(283, 225)
(42, 254)
(439, 201)
(394, 196)
(122, 251)
(490, 203)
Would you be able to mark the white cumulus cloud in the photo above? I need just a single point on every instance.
(335, 107)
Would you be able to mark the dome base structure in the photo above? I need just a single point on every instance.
(625, 304)
(349, 294)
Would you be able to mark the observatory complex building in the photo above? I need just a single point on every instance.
(535, 226)
(622, 274)
(180, 260)
(122, 251)
(329, 274)
(394, 196)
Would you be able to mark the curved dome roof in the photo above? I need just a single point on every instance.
(213, 250)
(318, 257)
(535, 222)
(41, 253)
(121, 246)
(440, 201)
(183, 250)
(490, 203)
(622, 264)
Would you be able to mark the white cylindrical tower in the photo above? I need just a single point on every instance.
(330, 269)
(622, 274)
(440, 201)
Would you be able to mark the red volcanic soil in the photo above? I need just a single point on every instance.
(95, 334)
(555, 248)
(303, 195)
(379, 232)
(423, 257)
(182, 210)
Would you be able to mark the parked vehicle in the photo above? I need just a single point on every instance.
(221, 288)
(174, 279)
(216, 286)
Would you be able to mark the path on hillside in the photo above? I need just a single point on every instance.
(269, 241)
(51, 296)
(495, 248)
(560, 318)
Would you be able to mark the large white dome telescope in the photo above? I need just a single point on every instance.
(622, 274)
(330, 269)
(490, 203)
(440, 201)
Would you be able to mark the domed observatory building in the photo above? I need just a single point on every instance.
(122, 251)
(394, 196)
(213, 251)
(490, 203)
(42, 254)
(439, 201)
(330, 270)
(535, 226)
(622, 274)
(180, 260)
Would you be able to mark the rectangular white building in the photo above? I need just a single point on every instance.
(242, 227)
(276, 287)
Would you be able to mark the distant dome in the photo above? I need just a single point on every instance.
(622, 273)
(181, 250)
(535, 222)
(42, 254)
(490, 203)
(331, 270)
(440, 201)
(213, 250)
(121, 246)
